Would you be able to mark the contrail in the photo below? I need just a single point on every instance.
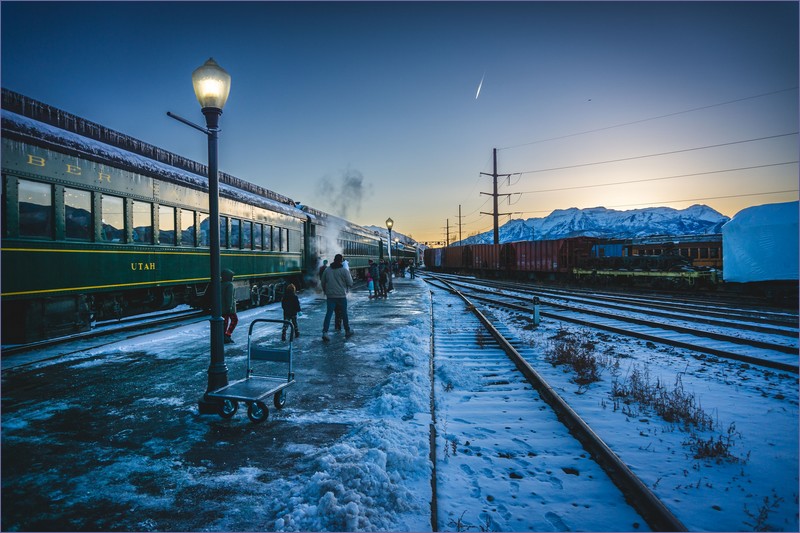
(479, 86)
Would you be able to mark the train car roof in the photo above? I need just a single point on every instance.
(659, 239)
(30, 130)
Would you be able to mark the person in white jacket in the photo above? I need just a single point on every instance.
(336, 282)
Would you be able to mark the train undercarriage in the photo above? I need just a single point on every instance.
(46, 317)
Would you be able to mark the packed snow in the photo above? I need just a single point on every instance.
(377, 475)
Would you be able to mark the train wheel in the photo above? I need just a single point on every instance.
(228, 408)
(257, 412)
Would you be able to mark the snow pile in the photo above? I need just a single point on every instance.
(760, 243)
(378, 477)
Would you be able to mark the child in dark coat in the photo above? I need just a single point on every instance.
(291, 306)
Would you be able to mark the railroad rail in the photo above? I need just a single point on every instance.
(138, 325)
(636, 493)
(709, 306)
(716, 344)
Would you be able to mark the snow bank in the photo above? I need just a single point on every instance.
(378, 477)
(760, 243)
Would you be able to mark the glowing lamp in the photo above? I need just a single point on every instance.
(211, 85)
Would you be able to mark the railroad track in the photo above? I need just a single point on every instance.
(514, 431)
(785, 320)
(778, 350)
(113, 331)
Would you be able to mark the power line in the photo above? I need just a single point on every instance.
(694, 199)
(651, 118)
(477, 209)
(477, 180)
(658, 154)
(658, 179)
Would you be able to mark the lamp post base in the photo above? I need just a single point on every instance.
(208, 406)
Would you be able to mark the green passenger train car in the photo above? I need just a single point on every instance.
(97, 225)
(85, 241)
(328, 234)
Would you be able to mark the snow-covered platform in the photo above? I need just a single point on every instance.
(112, 439)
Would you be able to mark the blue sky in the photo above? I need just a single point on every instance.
(369, 109)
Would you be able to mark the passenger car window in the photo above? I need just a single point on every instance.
(268, 238)
(223, 232)
(247, 235)
(142, 222)
(35, 209)
(236, 233)
(258, 236)
(203, 221)
(113, 229)
(166, 225)
(78, 214)
(187, 227)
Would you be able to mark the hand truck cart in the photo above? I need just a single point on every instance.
(254, 388)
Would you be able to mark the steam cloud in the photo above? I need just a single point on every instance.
(345, 193)
(342, 196)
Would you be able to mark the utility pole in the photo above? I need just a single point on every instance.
(448, 233)
(459, 223)
(495, 214)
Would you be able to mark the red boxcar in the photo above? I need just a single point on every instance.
(483, 257)
(558, 256)
(452, 258)
(432, 258)
(524, 258)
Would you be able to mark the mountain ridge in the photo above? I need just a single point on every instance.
(602, 222)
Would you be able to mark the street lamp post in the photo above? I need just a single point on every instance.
(212, 86)
(389, 224)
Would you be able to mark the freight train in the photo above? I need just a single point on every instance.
(98, 225)
(587, 260)
(760, 243)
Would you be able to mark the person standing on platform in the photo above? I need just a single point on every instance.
(383, 278)
(411, 268)
(336, 282)
(338, 321)
(228, 305)
(291, 306)
(373, 275)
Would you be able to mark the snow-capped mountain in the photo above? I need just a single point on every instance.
(609, 223)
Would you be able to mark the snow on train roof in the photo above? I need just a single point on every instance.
(46, 132)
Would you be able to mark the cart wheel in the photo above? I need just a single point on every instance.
(228, 408)
(279, 399)
(257, 412)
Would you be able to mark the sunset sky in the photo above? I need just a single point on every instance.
(371, 110)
